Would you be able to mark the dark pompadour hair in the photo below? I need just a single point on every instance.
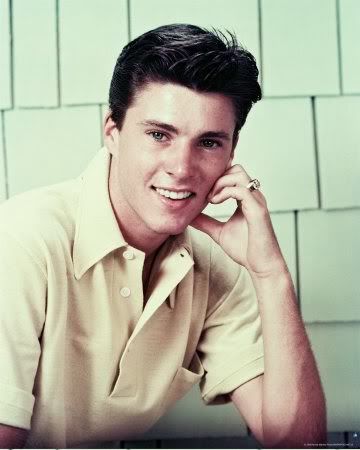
(203, 60)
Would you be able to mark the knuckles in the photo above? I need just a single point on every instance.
(238, 168)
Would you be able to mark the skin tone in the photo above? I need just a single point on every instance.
(173, 148)
(165, 145)
(12, 437)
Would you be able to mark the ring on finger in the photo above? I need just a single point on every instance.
(253, 185)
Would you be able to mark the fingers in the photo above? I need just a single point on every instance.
(240, 171)
(208, 225)
(231, 179)
(238, 193)
(235, 176)
(251, 204)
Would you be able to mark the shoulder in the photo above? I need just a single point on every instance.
(40, 217)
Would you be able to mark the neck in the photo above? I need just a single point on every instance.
(133, 229)
(142, 239)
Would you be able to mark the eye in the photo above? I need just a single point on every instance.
(210, 143)
(157, 135)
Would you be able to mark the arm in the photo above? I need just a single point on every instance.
(12, 437)
(22, 313)
(286, 406)
(289, 410)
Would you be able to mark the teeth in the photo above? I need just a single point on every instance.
(173, 195)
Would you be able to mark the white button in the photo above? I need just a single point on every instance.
(125, 292)
(128, 254)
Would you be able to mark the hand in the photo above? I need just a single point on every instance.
(248, 236)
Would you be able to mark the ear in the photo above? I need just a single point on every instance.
(111, 133)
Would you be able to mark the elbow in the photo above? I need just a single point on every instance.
(305, 428)
(12, 437)
(275, 439)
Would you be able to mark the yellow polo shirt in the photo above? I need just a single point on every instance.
(82, 360)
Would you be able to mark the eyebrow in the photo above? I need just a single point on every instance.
(165, 126)
(168, 127)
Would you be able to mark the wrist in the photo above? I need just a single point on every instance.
(276, 281)
(277, 273)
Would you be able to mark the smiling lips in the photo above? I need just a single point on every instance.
(173, 195)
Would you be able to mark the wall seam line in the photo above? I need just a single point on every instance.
(12, 64)
(338, 31)
(261, 65)
(128, 19)
(316, 151)
(297, 256)
(6, 171)
(57, 34)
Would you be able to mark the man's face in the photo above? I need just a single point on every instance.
(173, 145)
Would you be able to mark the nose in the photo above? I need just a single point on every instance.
(180, 161)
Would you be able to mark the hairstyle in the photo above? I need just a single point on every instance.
(203, 60)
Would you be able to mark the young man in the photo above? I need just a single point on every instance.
(112, 307)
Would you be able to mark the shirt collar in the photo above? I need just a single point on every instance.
(97, 231)
(176, 256)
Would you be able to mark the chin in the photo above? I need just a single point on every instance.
(170, 229)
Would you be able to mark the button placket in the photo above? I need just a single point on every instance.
(127, 254)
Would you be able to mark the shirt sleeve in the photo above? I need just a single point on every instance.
(22, 313)
(231, 345)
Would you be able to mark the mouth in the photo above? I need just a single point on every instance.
(173, 195)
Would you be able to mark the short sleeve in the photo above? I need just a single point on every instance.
(231, 345)
(22, 313)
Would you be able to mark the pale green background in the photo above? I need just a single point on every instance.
(302, 141)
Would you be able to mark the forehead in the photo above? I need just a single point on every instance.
(183, 107)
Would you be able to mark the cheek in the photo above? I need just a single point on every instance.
(214, 171)
(138, 174)
(132, 160)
